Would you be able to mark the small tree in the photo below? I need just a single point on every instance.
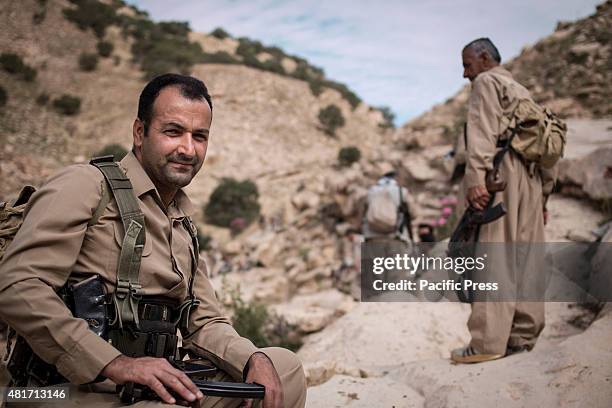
(388, 117)
(67, 104)
(13, 64)
(105, 48)
(348, 155)
(88, 61)
(331, 118)
(114, 149)
(230, 200)
(219, 33)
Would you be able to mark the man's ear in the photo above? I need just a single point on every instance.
(138, 133)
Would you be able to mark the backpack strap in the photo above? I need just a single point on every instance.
(129, 291)
(192, 302)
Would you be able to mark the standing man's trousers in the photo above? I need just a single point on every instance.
(496, 325)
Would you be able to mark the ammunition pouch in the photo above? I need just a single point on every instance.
(156, 336)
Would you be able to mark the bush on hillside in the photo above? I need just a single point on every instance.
(116, 150)
(388, 117)
(230, 200)
(67, 104)
(42, 99)
(316, 87)
(348, 155)
(253, 321)
(91, 14)
(88, 62)
(219, 57)
(331, 119)
(163, 47)
(219, 33)
(105, 48)
(13, 64)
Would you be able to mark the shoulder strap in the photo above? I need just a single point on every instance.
(129, 291)
(192, 302)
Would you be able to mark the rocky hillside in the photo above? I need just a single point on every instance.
(266, 122)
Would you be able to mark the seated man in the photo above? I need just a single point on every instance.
(69, 236)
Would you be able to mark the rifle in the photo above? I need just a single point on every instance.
(465, 236)
(198, 373)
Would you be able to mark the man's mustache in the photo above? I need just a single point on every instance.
(182, 159)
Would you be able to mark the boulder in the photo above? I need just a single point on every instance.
(591, 173)
(349, 391)
(305, 199)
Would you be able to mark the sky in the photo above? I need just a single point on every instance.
(402, 54)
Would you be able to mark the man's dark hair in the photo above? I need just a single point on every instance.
(190, 87)
(484, 44)
(390, 174)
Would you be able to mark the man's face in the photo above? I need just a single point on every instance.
(473, 64)
(175, 147)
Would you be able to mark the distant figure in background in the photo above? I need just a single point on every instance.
(387, 220)
(500, 328)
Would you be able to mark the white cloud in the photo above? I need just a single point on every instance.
(404, 54)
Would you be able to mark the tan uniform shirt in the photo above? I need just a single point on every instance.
(492, 92)
(55, 244)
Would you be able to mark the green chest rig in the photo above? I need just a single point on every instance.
(129, 292)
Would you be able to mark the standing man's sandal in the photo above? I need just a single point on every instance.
(469, 355)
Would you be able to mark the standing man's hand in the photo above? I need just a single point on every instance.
(155, 373)
(262, 371)
(478, 197)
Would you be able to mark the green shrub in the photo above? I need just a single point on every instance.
(92, 14)
(105, 48)
(249, 319)
(3, 96)
(114, 149)
(219, 33)
(13, 64)
(204, 241)
(346, 93)
(316, 87)
(163, 47)
(67, 104)
(348, 155)
(230, 200)
(220, 57)
(42, 99)
(88, 62)
(388, 117)
(253, 321)
(331, 119)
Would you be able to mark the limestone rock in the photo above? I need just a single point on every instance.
(593, 173)
(346, 391)
(305, 199)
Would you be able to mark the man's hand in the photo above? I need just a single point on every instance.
(478, 197)
(262, 371)
(155, 373)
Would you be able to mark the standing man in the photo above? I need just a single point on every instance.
(59, 243)
(500, 328)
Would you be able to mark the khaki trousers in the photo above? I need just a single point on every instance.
(496, 325)
(287, 365)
